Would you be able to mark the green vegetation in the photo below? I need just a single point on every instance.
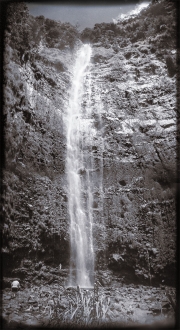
(155, 24)
(84, 308)
(17, 33)
(24, 33)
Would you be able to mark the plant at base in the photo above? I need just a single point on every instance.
(84, 308)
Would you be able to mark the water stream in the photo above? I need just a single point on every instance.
(79, 168)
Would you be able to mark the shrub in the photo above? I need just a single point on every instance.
(54, 32)
(86, 35)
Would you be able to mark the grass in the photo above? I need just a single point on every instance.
(85, 308)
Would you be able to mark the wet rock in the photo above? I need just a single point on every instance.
(7, 297)
(152, 299)
(156, 308)
(166, 304)
(143, 306)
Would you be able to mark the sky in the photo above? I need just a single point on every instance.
(84, 15)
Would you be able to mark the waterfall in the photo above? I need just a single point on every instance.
(79, 166)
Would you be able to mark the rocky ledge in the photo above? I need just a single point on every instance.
(119, 305)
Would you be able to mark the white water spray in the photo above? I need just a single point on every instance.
(79, 168)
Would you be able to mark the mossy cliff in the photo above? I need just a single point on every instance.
(134, 151)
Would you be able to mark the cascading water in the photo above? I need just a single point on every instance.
(79, 168)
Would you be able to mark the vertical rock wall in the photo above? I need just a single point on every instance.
(35, 201)
(138, 125)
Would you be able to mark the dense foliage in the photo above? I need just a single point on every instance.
(17, 33)
(25, 32)
(52, 33)
(156, 24)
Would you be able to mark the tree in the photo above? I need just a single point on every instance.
(17, 24)
(86, 34)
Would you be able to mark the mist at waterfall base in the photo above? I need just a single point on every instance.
(79, 166)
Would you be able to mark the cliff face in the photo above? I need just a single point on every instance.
(35, 201)
(139, 161)
(133, 93)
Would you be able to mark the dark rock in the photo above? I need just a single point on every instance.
(156, 308)
(27, 263)
(122, 183)
(166, 305)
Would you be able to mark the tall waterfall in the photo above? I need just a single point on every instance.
(79, 168)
